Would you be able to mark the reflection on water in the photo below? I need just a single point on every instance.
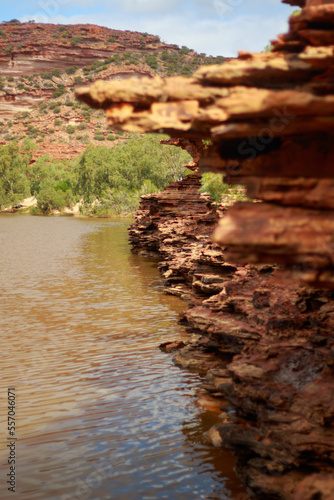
(101, 412)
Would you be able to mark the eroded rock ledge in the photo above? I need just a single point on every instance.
(270, 120)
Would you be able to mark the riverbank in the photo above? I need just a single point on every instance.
(29, 206)
(261, 341)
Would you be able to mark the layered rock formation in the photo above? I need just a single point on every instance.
(36, 58)
(29, 48)
(270, 121)
(175, 225)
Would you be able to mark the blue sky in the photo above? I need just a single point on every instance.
(216, 27)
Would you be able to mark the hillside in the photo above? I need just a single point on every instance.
(42, 65)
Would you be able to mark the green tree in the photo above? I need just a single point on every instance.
(128, 167)
(14, 185)
(219, 192)
(49, 198)
(268, 48)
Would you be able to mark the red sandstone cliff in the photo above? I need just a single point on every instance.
(30, 48)
(42, 65)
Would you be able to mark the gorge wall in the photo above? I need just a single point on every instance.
(261, 288)
(265, 345)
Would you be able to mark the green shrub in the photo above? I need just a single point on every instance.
(213, 185)
(53, 105)
(184, 50)
(268, 48)
(76, 40)
(59, 91)
(56, 72)
(57, 109)
(152, 61)
(72, 69)
(70, 129)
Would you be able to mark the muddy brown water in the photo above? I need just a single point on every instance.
(101, 413)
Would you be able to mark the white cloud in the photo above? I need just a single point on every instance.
(149, 6)
(217, 37)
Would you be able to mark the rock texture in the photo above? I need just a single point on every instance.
(262, 333)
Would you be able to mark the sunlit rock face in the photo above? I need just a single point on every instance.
(270, 120)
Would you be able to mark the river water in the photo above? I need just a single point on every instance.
(101, 413)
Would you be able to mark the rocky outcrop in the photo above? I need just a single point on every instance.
(262, 333)
(175, 225)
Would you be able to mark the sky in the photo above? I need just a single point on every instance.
(215, 27)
